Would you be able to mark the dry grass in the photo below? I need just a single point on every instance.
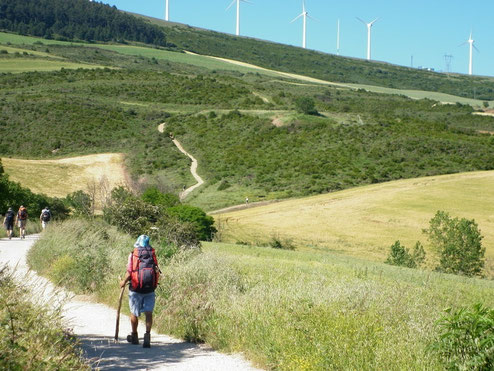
(365, 221)
(57, 178)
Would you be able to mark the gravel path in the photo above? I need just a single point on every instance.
(94, 325)
(193, 166)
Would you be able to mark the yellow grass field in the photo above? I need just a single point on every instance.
(365, 221)
(57, 178)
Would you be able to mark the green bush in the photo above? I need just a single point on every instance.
(466, 338)
(153, 196)
(400, 255)
(129, 213)
(458, 242)
(81, 203)
(203, 223)
(305, 105)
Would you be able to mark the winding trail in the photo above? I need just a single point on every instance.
(94, 325)
(193, 166)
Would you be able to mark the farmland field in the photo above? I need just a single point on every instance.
(366, 221)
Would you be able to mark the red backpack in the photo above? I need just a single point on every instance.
(145, 273)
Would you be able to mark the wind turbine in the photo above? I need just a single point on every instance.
(238, 13)
(167, 10)
(471, 42)
(305, 15)
(338, 39)
(369, 26)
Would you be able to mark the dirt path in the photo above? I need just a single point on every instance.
(193, 166)
(94, 325)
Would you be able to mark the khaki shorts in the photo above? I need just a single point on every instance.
(22, 223)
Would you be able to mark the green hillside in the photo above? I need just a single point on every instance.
(323, 66)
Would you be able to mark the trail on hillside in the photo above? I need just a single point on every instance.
(193, 166)
(94, 325)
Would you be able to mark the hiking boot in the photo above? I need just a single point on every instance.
(147, 340)
(133, 338)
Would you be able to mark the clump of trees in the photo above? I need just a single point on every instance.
(458, 242)
(76, 19)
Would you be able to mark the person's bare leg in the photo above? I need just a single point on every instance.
(149, 321)
(134, 321)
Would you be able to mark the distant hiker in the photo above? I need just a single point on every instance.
(45, 217)
(143, 274)
(8, 222)
(21, 221)
(246, 200)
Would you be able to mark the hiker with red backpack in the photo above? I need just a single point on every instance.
(142, 275)
(22, 221)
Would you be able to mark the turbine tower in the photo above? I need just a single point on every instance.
(305, 15)
(237, 31)
(167, 11)
(338, 39)
(369, 26)
(471, 42)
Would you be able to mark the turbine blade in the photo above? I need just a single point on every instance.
(247, 1)
(315, 19)
(361, 20)
(374, 21)
(297, 17)
(476, 48)
(229, 6)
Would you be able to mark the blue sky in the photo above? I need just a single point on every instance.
(426, 30)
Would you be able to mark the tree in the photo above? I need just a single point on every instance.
(458, 242)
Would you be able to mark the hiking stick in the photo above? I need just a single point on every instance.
(118, 314)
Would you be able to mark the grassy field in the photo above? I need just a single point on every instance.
(19, 65)
(57, 178)
(365, 221)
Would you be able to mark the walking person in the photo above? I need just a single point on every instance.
(142, 275)
(45, 217)
(22, 221)
(8, 222)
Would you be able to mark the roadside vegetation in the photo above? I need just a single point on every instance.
(288, 310)
(32, 334)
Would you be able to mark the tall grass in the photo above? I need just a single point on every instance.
(287, 310)
(31, 335)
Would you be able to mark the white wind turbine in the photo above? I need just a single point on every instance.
(167, 10)
(305, 15)
(237, 32)
(369, 26)
(470, 41)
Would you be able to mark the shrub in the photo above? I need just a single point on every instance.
(204, 224)
(458, 242)
(466, 338)
(129, 213)
(81, 203)
(153, 196)
(278, 242)
(400, 255)
(305, 105)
